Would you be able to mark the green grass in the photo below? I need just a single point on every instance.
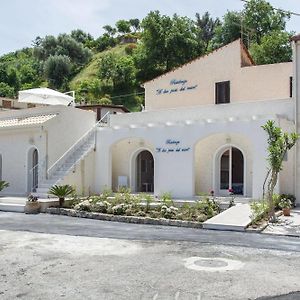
(91, 70)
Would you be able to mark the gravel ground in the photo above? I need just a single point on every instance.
(57, 266)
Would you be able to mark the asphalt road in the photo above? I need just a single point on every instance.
(57, 257)
(45, 223)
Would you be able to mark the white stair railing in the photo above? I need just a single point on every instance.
(88, 136)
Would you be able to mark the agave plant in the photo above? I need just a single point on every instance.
(3, 185)
(61, 192)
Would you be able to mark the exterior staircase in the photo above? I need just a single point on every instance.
(12, 204)
(64, 165)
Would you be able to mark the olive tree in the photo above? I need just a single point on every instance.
(279, 143)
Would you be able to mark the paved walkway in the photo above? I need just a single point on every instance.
(287, 225)
(236, 218)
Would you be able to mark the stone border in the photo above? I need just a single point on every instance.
(262, 226)
(124, 219)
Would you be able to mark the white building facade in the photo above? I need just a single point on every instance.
(201, 130)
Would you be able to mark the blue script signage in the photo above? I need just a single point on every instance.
(177, 85)
(175, 149)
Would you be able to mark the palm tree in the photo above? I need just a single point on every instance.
(61, 192)
(3, 185)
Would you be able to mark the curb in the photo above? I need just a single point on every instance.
(123, 219)
(281, 235)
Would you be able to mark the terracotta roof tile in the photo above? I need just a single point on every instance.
(295, 38)
(25, 121)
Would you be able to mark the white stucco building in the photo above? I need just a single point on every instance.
(200, 131)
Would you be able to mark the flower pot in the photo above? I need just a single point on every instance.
(286, 212)
(32, 207)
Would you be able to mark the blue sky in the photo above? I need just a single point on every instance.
(22, 20)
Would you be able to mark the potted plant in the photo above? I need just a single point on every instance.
(231, 202)
(285, 204)
(3, 185)
(32, 205)
(61, 192)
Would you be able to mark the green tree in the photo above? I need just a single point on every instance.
(63, 45)
(228, 31)
(57, 69)
(167, 42)
(107, 66)
(207, 27)
(105, 41)
(120, 71)
(123, 26)
(279, 143)
(6, 90)
(260, 18)
(19, 69)
(105, 100)
(111, 31)
(89, 90)
(82, 37)
(273, 48)
(124, 73)
(135, 24)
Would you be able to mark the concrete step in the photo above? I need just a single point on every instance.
(13, 200)
(42, 195)
(12, 207)
(46, 185)
(236, 218)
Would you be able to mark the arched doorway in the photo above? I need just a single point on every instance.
(231, 171)
(33, 170)
(144, 172)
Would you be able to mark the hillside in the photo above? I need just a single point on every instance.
(91, 71)
(112, 67)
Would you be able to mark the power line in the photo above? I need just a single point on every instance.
(127, 95)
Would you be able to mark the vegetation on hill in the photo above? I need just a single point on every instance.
(112, 67)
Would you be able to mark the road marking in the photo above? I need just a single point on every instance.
(213, 264)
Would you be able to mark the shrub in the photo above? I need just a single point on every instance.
(101, 206)
(259, 210)
(119, 209)
(105, 101)
(167, 199)
(169, 212)
(3, 185)
(130, 48)
(290, 197)
(209, 207)
(201, 218)
(61, 192)
(141, 214)
(155, 214)
(85, 205)
(95, 199)
(285, 203)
